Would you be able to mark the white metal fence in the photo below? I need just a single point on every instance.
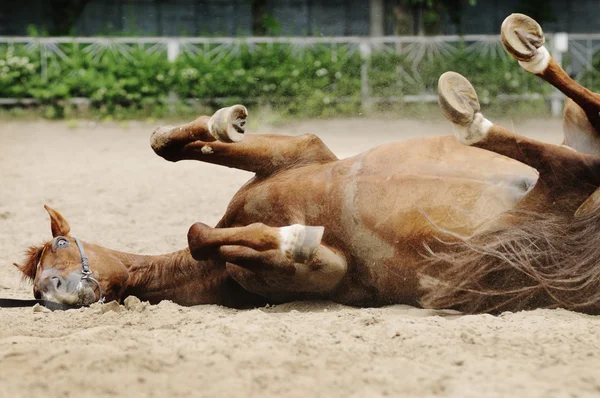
(578, 49)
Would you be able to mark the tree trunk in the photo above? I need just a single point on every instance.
(403, 19)
(419, 20)
(376, 18)
(64, 15)
(259, 11)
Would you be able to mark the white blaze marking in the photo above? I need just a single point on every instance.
(290, 237)
(474, 131)
(538, 63)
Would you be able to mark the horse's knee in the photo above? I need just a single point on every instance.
(310, 140)
(161, 142)
(168, 141)
(314, 148)
(197, 237)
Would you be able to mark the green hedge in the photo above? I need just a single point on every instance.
(302, 84)
(490, 76)
(318, 81)
(591, 77)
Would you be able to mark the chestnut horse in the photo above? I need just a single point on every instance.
(492, 221)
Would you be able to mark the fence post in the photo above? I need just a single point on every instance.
(172, 54)
(365, 89)
(560, 45)
(43, 60)
(172, 49)
(376, 18)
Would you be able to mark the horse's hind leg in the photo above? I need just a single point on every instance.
(220, 140)
(523, 39)
(291, 258)
(561, 169)
(277, 273)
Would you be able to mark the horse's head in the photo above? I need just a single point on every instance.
(68, 271)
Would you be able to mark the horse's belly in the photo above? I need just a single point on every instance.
(389, 214)
(380, 208)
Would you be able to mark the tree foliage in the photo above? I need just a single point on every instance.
(425, 16)
(64, 15)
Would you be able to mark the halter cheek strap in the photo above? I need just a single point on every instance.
(86, 274)
(85, 265)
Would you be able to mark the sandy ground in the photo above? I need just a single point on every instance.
(114, 191)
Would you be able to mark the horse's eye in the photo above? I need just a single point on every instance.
(62, 242)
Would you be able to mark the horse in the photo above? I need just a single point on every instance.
(485, 221)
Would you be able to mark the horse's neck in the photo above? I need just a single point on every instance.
(177, 277)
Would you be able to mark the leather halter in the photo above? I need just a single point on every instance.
(86, 274)
(85, 265)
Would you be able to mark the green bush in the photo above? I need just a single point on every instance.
(390, 75)
(319, 80)
(313, 84)
(591, 77)
(17, 70)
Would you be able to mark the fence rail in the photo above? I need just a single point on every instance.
(282, 39)
(579, 47)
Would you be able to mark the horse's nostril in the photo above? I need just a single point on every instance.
(57, 281)
(37, 294)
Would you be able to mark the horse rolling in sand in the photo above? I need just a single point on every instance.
(490, 221)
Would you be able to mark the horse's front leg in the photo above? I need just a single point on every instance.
(565, 174)
(523, 39)
(220, 139)
(287, 259)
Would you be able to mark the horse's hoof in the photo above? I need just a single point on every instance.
(299, 242)
(228, 124)
(460, 105)
(521, 36)
(457, 98)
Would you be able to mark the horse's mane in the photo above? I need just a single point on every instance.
(532, 261)
(29, 266)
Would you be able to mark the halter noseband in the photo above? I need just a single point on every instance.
(86, 274)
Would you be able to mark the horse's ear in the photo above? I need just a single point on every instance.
(591, 203)
(60, 226)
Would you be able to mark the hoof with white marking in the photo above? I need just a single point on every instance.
(523, 38)
(299, 242)
(228, 124)
(459, 104)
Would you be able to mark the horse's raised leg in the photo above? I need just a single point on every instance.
(297, 242)
(291, 256)
(561, 169)
(220, 140)
(523, 39)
